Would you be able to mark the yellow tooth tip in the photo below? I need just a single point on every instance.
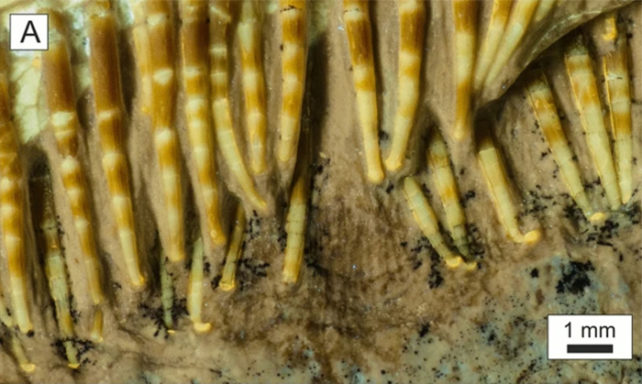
(200, 327)
(74, 365)
(392, 165)
(454, 262)
(227, 287)
(375, 177)
(28, 367)
(597, 218)
(533, 236)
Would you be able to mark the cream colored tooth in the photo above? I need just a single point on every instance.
(195, 289)
(444, 180)
(219, 23)
(497, 182)
(616, 75)
(292, 17)
(228, 278)
(108, 104)
(194, 37)
(295, 226)
(580, 73)
(249, 33)
(143, 54)
(358, 31)
(96, 333)
(543, 105)
(167, 294)
(12, 205)
(518, 22)
(465, 15)
(412, 20)
(543, 9)
(492, 41)
(19, 353)
(427, 221)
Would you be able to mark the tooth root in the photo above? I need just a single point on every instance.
(497, 181)
(587, 102)
(292, 17)
(358, 31)
(193, 39)
(195, 289)
(543, 105)
(465, 15)
(543, 9)
(295, 226)
(492, 41)
(228, 278)
(225, 137)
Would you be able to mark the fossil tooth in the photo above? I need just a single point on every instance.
(228, 278)
(465, 15)
(195, 289)
(143, 54)
(491, 41)
(167, 294)
(295, 225)
(543, 9)
(19, 353)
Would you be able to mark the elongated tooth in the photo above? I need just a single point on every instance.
(295, 226)
(194, 37)
(292, 17)
(616, 73)
(19, 353)
(61, 103)
(587, 102)
(412, 20)
(195, 289)
(96, 333)
(219, 76)
(465, 15)
(142, 52)
(249, 33)
(167, 294)
(12, 205)
(358, 30)
(108, 104)
(427, 221)
(48, 240)
(543, 9)
(228, 278)
(541, 100)
(444, 180)
(492, 40)
(519, 20)
(497, 181)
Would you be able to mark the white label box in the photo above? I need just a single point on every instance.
(590, 337)
(29, 31)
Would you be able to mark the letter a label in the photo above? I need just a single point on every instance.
(29, 31)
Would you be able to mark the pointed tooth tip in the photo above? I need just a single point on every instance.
(532, 237)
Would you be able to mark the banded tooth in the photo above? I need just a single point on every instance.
(12, 206)
(358, 31)
(194, 37)
(295, 226)
(228, 278)
(108, 104)
(491, 42)
(543, 9)
(496, 178)
(427, 222)
(587, 102)
(142, 52)
(293, 20)
(412, 20)
(195, 289)
(444, 180)
(465, 15)
(249, 33)
(543, 105)
(219, 23)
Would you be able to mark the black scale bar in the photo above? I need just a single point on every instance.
(589, 348)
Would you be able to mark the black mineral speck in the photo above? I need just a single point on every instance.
(534, 273)
(575, 278)
(425, 328)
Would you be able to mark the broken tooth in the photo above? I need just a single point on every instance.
(465, 15)
(357, 23)
(412, 20)
(228, 278)
(195, 289)
(295, 225)
(491, 42)
(583, 84)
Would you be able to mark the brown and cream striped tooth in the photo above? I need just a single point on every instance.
(228, 276)
(295, 226)
(220, 19)
(195, 289)
(465, 16)
(143, 55)
(358, 30)
(249, 37)
(108, 104)
(412, 20)
(194, 40)
(543, 105)
(491, 41)
(293, 19)
(587, 101)
(12, 204)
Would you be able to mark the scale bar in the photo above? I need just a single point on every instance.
(589, 348)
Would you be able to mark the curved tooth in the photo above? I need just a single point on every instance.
(543, 9)
(412, 20)
(194, 39)
(226, 139)
(195, 289)
(292, 17)
(358, 32)
(228, 278)
(465, 15)
(295, 226)
(492, 40)
(105, 76)
(497, 181)
(541, 100)
(580, 73)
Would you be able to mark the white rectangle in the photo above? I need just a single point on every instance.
(29, 31)
(590, 337)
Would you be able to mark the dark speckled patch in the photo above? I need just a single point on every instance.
(575, 278)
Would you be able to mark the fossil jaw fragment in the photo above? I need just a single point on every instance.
(587, 101)
(496, 178)
(295, 225)
(220, 19)
(108, 103)
(358, 31)
(193, 37)
(228, 277)
(491, 41)
(195, 289)
(465, 15)
(412, 20)
(543, 105)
